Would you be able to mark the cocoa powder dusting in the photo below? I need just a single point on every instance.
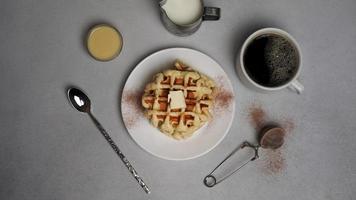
(223, 97)
(288, 125)
(132, 109)
(257, 116)
(273, 161)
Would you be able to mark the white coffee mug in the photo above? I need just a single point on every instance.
(293, 83)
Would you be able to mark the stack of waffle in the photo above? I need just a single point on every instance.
(198, 90)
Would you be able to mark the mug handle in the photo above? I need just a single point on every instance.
(296, 86)
(211, 13)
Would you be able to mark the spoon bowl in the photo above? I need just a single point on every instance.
(79, 100)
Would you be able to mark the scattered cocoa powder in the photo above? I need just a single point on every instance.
(288, 126)
(273, 161)
(257, 116)
(223, 100)
(132, 109)
(224, 97)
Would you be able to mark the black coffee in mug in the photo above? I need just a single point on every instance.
(271, 60)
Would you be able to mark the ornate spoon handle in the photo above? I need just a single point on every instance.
(120, 154)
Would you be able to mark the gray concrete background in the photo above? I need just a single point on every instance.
(50, 151)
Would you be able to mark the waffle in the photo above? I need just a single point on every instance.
(199, 92)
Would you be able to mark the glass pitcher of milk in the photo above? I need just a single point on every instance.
(184, 17)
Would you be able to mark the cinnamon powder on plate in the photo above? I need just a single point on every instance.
(224, 98)
(132, 109)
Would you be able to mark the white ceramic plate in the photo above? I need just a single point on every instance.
(150, 138)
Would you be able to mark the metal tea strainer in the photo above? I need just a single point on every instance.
(271, 138)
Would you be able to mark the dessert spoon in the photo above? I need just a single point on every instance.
(81, 102)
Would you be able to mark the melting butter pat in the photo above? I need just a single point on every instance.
(176, 99)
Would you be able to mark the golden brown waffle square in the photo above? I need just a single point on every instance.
(199, 93)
